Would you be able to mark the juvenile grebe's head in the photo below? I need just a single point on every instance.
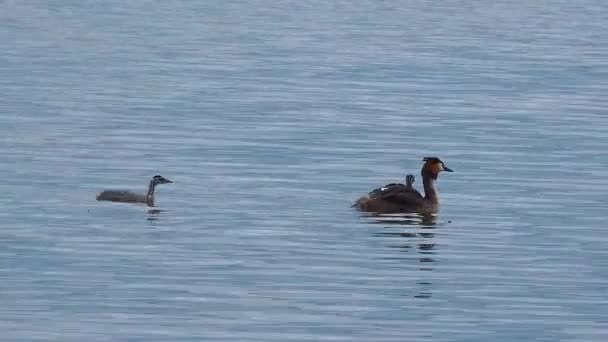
(409, 180)
(158, 179)
(433, 166)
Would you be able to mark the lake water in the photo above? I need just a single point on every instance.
(271, 118)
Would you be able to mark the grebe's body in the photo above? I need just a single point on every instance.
(399, 198)
(130, 197)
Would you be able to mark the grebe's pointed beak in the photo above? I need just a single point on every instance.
(164, 180)
(447, 169)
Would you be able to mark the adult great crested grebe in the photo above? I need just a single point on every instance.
(130, 197)
(401, 199)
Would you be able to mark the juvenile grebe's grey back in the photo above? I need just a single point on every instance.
(392, 189)
(411, 200)
(130, 197)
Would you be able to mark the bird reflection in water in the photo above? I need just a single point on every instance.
(154, 214)
(398, 228)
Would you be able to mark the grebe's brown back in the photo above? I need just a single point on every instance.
(392, 189)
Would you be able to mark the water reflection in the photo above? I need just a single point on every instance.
(154, 214)
(411, 232)
(424, 290)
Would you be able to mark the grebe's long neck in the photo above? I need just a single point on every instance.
(150, 195)
(430, 191)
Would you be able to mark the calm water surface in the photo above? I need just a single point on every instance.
(271, 118)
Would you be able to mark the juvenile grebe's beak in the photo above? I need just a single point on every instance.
(447, 169)
(163, 180)
(158, 179)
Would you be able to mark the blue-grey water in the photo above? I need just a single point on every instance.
(271, 117)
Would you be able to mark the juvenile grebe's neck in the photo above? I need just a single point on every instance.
(150, 195)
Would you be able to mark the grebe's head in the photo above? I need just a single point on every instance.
(409, 180)
(158, 179)
(433, 166)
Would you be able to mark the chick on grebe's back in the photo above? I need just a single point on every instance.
(390, 189)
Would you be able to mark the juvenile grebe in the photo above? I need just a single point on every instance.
(400, 199)
(393, 188)
(130, 197)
